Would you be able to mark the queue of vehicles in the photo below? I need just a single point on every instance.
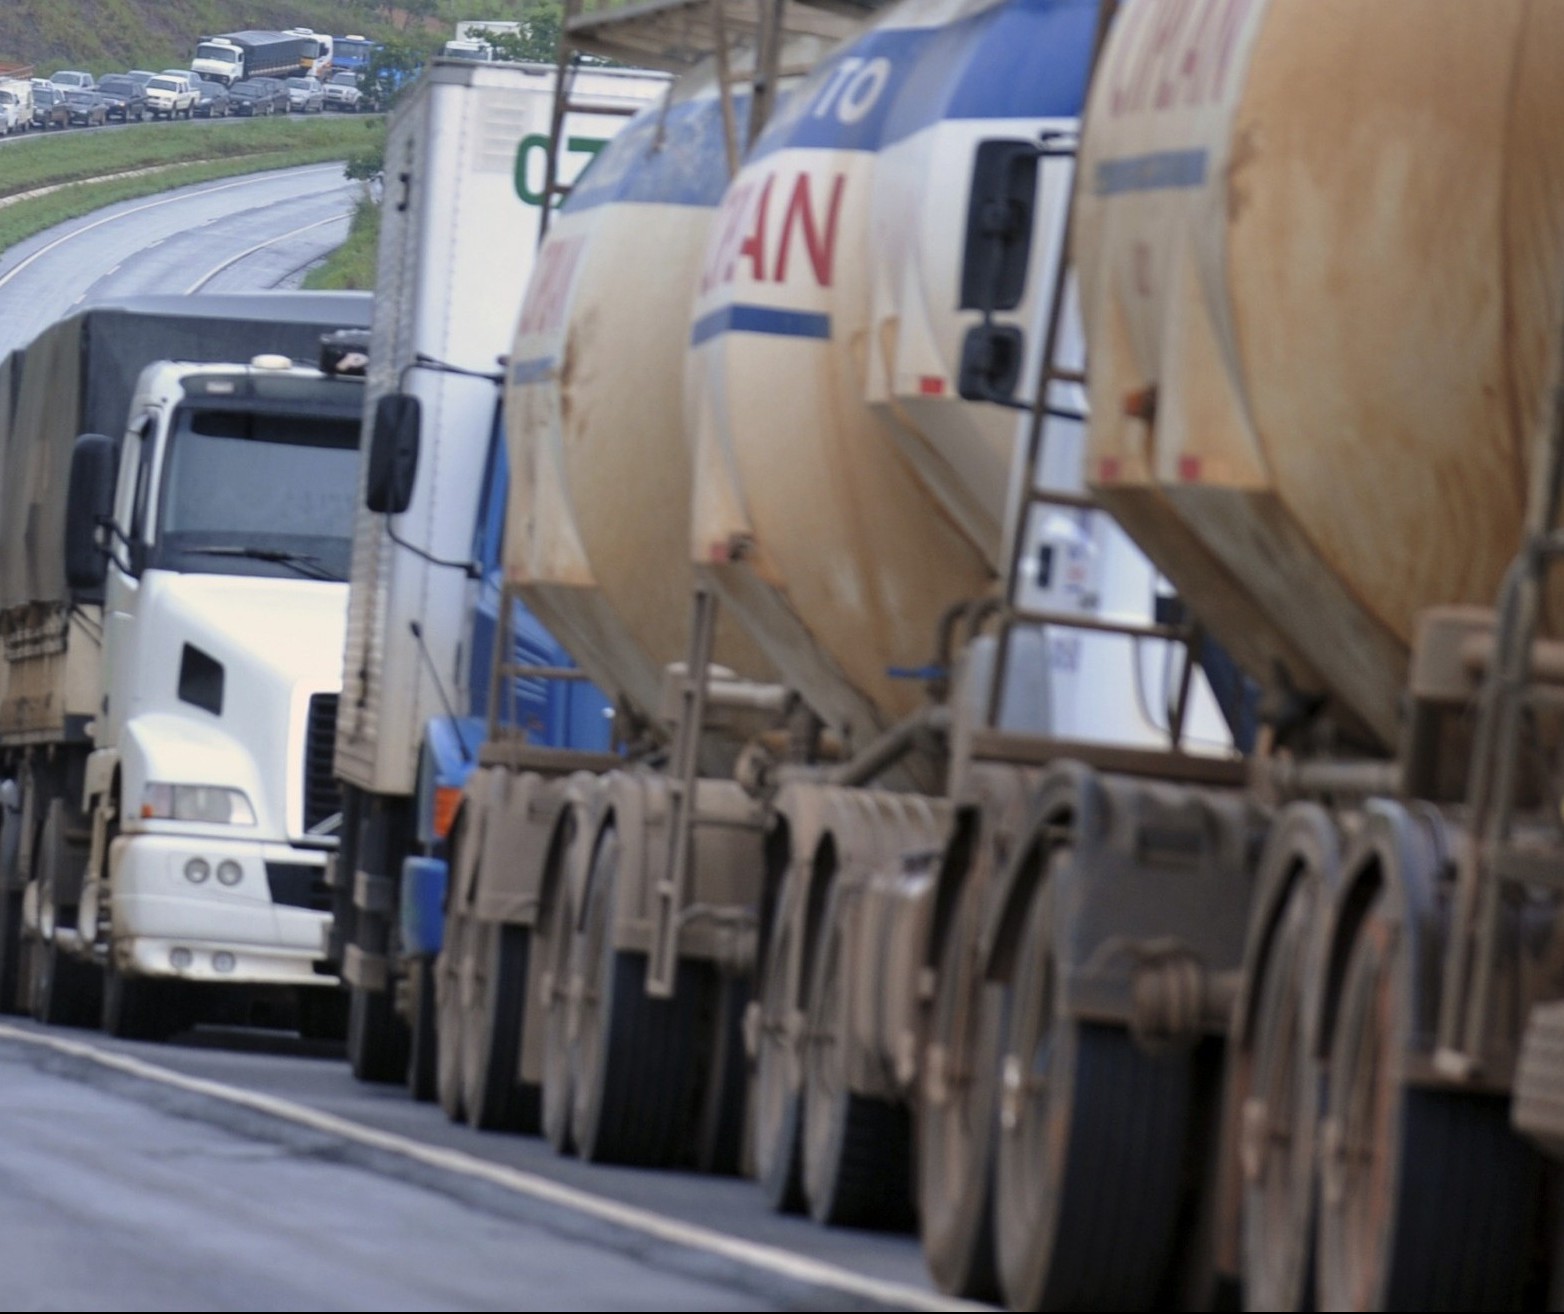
(913, 842)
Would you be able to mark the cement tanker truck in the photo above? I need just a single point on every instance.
(812, 523)
(1320, 249)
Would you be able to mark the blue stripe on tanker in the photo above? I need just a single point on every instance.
(531, 371)
(1027, 59)
(760, 319)
(1161, 171)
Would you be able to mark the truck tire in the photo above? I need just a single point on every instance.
(635, 1057)
(65, 991)
(719, 1140)
(857, 1156)
(1430, 1198)
(141, 1008)
(778, 1100)
(1090, 1168)
(449, 968)
(323, 1014)
(377, 1039)
(955, 1120)
(422, 1042)
(10, 914)
(495, 1097)
(556, 931)
(1279, 1123)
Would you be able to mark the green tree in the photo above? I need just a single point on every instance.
(537, 42)
(393, 68)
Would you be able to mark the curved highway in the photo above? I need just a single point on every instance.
(256, 231)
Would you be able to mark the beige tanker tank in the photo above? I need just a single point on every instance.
(845, 496)
(600, 489)
(1320, 253)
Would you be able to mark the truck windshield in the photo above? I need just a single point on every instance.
(247, 493)
(220, 53)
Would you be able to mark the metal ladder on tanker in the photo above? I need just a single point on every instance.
(1027, 496)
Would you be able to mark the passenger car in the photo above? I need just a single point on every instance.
(214, 102)
(342, 92)
(71, 80)
(86, 108)
(125, 100)
(170, 97)
(50, 109)
(250, 100)
(305, 95)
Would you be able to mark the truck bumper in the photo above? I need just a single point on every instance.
(258, 931)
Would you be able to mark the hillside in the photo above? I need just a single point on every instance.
(105, 35)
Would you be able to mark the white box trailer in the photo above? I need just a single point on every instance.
(466, 157)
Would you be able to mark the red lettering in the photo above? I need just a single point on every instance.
(1178, 11)
(1227, 41)
(1189, 69)
(800, 217)
(722, 253)
(549, 289)
(754, 246)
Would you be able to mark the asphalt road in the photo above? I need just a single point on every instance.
(259, 1205)
(254, 232)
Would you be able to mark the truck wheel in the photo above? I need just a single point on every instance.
(857, 1149)
(556, 930)
(65, 990)
(422, 1041)
(140, 1008)
(719, 1141)
(778, 1100)
(1090, 1163)
(1278, 1125)
(323, 1014)
(1429, 1198)
(450, 967)
(635, 1056)
(10, 914)
(955, 1120)
(377, 1039)
(492, 1090)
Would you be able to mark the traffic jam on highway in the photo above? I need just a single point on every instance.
(1025, 712)
(251, 74)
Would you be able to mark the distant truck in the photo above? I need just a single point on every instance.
(172, 600)
(351, 54)
(317, 59)
(235, 56)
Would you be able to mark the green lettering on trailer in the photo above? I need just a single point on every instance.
(527, 169)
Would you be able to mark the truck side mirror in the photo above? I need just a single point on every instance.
(999, 224)
(393, 454)
(89, 503)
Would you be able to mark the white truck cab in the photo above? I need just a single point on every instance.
(222, 546)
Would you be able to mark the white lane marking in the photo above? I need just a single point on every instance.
(691, 1236)
(270, 176)
(261, 246)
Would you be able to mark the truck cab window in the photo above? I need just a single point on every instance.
(257, 494)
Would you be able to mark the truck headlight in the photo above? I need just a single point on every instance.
(211, 804)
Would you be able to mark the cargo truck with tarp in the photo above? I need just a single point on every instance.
(170, 581)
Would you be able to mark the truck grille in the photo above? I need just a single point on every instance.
(322, 796)
(298, 885)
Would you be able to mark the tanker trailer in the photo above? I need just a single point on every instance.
(847, 524)
(631, 1050)
(1321, 257)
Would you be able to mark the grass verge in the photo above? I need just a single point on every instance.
(200, 157)
(67, 157)
(351, 267)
